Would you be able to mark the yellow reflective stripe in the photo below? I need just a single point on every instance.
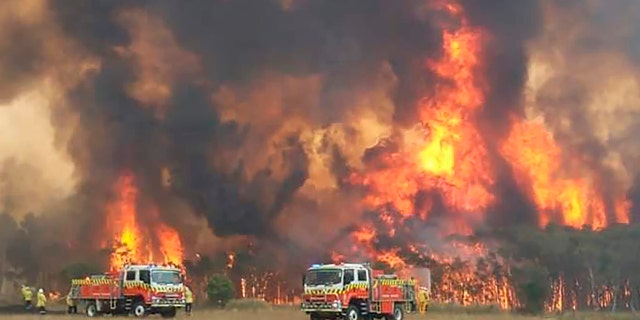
(395, 282)
(166, 289)
(135, 284)
(323, 291)
(127, 284)
(346, 288)
(92, 281)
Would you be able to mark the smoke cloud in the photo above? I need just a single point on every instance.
(583, 79)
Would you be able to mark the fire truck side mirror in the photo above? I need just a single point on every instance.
(304, 277)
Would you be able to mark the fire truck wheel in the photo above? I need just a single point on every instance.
(170, 313)
(353, 313)
(92, 310)
(139, 310)
(398, 314)
(314, 316)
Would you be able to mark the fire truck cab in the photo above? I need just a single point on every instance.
(136, 289)
(356, 291)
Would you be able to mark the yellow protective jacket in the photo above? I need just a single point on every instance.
(42, 300)
(70, 301)
(423, 301)
(188, 296)
(27, 294)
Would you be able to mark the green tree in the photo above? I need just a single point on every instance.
(532, 285)
(220, 290)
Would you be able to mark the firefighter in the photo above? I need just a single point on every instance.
(188, 296)
(42, 302)
(71, 305)
(28, 296)
(423, 300)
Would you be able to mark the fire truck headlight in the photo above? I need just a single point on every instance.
(336, 304)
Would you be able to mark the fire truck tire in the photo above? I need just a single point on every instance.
(91, 310)
(169, 313)
(353, 313)
(398, 313)
(139, 310)
(314, 316)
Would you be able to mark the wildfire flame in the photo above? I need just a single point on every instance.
(447, 156)
(151, 241)
(54, 295)
(231, 260)
(535, 157)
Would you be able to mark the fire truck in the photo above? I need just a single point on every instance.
(136, 289)
(356, 291)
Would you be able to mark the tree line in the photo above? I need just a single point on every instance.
(553, 269)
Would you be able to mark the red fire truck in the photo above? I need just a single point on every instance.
(356, 291)
(136, 289)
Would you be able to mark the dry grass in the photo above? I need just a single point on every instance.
(279, 313)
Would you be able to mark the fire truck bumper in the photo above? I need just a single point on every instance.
(322, 306)
(159, 303)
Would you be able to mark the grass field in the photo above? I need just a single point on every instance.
(295, 315)
(265, 312)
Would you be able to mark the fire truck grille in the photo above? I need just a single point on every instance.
(311, 305)
(165, 302)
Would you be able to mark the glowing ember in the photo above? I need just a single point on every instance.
(54, 296)
(243, 288)
(231, 260)
(139, 241)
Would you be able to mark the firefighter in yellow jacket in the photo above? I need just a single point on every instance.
(71, 305)
(188, 297)
(42, 302)
(28, 296)
(423, 300)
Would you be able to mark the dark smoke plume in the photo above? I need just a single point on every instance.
(215, 161)
(236, 43)
(585, 85)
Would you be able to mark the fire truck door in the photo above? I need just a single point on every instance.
(362, 286)
(361, 280)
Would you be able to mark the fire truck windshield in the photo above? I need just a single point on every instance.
(164, 277)
(323, 277)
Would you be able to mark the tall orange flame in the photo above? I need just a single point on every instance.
(573, 201)
(454, 158)
(448, 157)
(138, 240)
